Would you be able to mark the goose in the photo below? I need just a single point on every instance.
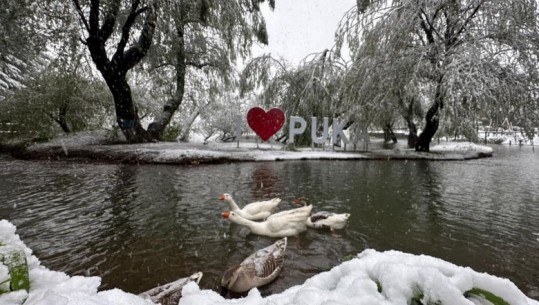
(324, 219)
(253, 211)
(170, 293)
(258, 269)
(282, 224)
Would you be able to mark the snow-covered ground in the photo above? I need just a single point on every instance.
(372, 277)
(509, 138)
(89, 146)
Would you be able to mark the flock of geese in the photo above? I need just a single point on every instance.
(263, 266)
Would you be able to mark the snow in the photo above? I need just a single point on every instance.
(461, 146)
(509, 138)
(373, 277)
(49, 287)
(92, 145)
(399, 276)
(249, 151)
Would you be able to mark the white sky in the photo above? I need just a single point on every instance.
(298, 28)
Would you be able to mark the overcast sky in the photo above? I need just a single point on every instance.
(298, 28)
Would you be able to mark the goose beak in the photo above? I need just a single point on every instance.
(226, 214)
(222, 197)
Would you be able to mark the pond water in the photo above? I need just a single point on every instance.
(140, 226)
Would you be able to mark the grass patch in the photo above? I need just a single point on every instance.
(487, 295)
(15, 260)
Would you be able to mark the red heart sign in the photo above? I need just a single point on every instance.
(265, 124)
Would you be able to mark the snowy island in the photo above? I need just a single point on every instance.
(89, 147)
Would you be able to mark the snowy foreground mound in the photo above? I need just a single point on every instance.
(390, 277)
(386, 278)
(56, 288)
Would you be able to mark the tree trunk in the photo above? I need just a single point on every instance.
(412, 134)
(186, 129)
(389, 135)
(431, 126)
(62, 121)
(432, 120)
(409, 118)
(126, 111)
(157, 127)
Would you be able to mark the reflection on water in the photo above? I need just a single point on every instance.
(140, 226)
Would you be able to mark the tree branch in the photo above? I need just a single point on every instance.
(199, 65)
(476, 9)
(109, 20)
(94, 18)
(134, 54)
(133, 14)
(78, 8)
(431, 29)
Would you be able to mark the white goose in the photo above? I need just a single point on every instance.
(252, 211)
(323, 219)
(258, 269)
(285, 223)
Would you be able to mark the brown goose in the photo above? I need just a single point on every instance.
(260, 268)
(170, 293)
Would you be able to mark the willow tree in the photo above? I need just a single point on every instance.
(201, 37)
(313, 88)
(203, 34)
(26, 27)
(110, 26)
(460, 58)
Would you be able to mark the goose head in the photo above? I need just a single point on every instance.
(229, 278)
(228, 214)
(225, 197)
(300, 201)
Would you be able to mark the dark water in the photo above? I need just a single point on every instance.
(140, 226)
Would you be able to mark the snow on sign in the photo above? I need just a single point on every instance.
(265, 124)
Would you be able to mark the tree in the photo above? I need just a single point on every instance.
(459, 58)
(196, 33)
(203, 37)
(56, 101)
(104, 17)
(25, 27)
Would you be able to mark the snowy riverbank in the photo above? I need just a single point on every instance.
(372, 277)
(90, 148)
